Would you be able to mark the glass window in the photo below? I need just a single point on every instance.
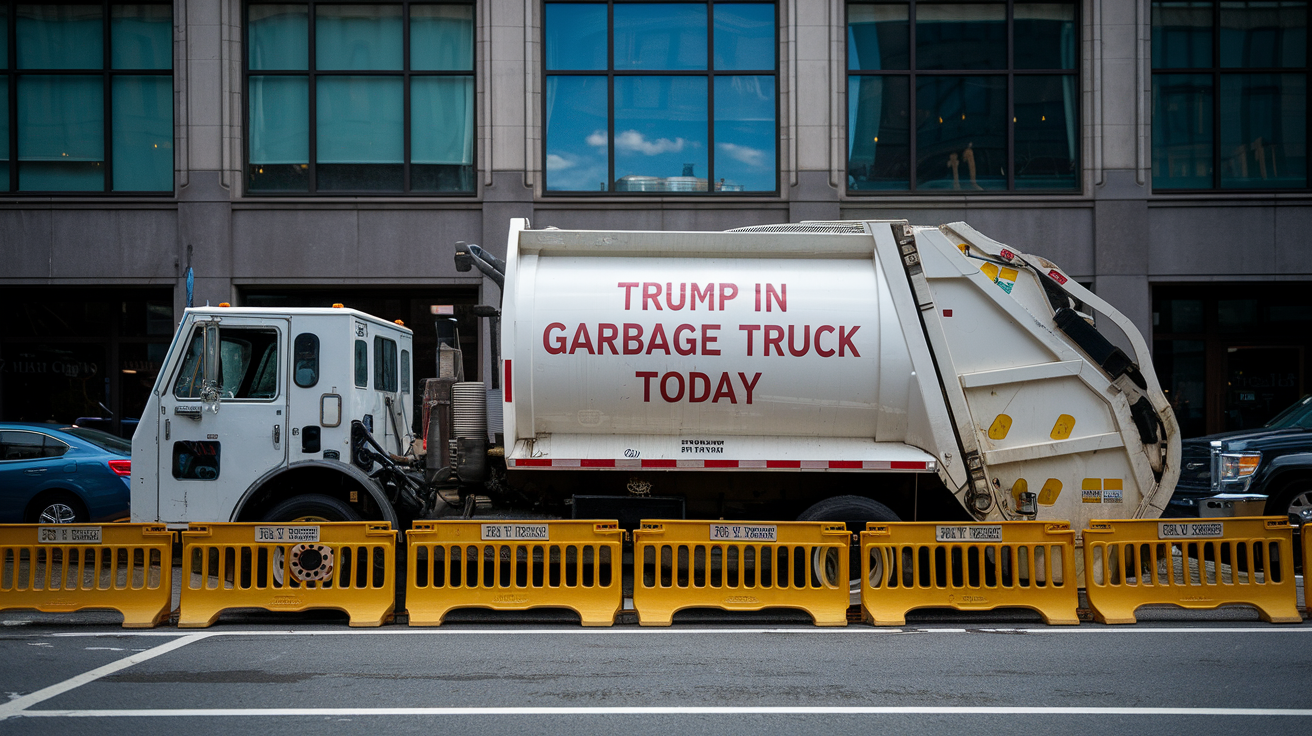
(347, 94)
(405, 371)
(1235, 118)
(961, 138)
(68, 141)
(196, 459)
(937, 119)
(248, 365)
(650, 107)
(951, 36)
(385, 369)
(362, 363)
(442, 38)
(141, 37)
(305, 369)
(21, 446)
(878, 37)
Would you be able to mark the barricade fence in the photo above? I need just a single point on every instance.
(63, 568)
(581, 566)
(968, 567)
(741, 566)
(347, 566)
(515, 566)
(1191, 563)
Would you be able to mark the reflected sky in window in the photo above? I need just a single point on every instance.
(577, 158)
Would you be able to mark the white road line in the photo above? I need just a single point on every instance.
(669, 710)
(16, 706)
(676, 631)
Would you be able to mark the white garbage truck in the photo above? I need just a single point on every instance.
(840, 371)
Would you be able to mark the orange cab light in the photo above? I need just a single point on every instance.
(224, 304)
(338, 306)
(399, 322)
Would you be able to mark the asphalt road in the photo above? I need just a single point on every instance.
(977, 677)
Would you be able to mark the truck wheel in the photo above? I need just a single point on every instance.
(854, 511)
(311, 507)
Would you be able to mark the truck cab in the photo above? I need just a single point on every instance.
(255, 411)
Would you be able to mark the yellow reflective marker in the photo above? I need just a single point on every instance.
(1050, 491)
(1091, 490)
(1000, 427)
(1008, 274)
(965, 249)
(990, 270)
(1017, 488)
(1062, 429)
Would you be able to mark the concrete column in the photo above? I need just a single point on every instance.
(205, 30)
(1121, 118)
(808, 69)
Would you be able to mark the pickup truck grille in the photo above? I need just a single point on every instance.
(1195, 468)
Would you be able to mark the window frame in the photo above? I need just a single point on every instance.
(1217, 72)
(107, 74)
(46, 441)
(1010, 72)
(251, 367)
(314, 339)
(311, 73)
(709, 73)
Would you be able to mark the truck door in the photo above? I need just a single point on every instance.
(209, 458)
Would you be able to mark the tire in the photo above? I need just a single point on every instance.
(311, 507)
(57, 508)
(854, 512)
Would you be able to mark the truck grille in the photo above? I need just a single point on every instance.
(1195, 468)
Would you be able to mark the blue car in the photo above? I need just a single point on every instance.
(52, 474)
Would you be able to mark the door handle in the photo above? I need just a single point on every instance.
(35, 471)
(277, 434)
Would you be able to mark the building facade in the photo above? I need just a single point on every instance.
(303, 154)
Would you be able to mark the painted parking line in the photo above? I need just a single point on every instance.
(17, 705)
(669, 710)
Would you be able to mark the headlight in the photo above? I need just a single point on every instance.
(1239, 465)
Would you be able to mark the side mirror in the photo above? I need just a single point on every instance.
(209, 387)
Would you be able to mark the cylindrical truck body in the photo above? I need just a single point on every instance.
(817, 350)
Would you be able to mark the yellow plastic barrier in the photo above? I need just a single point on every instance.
(1307, 569)
(348, 566)
(515, 566)
(969, 567)
(741, 566)
(124, 567)
(1191, 563)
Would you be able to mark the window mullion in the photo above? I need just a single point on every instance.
(312, 99)
(107, 97)
(405, 97)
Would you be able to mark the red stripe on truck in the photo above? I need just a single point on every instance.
(689, 464)
(507, 383)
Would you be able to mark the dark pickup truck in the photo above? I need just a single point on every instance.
(1270, 466)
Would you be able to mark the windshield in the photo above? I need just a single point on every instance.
(1299, 414)
(103, 440)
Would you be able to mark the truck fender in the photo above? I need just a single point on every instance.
(389, 514)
